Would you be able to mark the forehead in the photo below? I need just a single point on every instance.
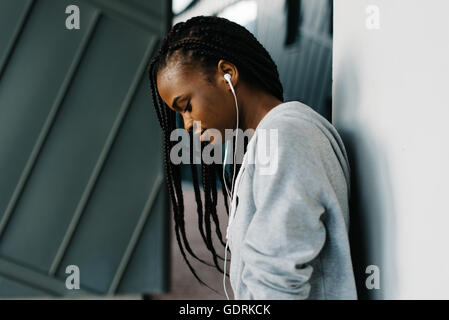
(171, 75)
(172, 79)
(176, 79)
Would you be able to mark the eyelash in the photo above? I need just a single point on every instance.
(189, 106)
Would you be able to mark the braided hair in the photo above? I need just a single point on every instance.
(203, 41)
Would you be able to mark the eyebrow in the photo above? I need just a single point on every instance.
(174, 105)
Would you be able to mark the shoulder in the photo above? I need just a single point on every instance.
(294, 136)
(296, 125)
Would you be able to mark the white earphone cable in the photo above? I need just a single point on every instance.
(230, 195)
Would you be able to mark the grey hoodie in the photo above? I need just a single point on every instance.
(289, 235)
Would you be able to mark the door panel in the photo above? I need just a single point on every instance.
(80, 149)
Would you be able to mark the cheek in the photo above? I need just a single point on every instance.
(217, 115)
(216, 111)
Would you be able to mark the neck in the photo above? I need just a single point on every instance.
(253, 106)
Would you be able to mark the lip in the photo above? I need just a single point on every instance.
(203, 135)
(197, 132)
(207, 136)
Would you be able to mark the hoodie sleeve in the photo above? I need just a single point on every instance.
(286, 232)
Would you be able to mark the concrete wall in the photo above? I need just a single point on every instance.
(390, 104)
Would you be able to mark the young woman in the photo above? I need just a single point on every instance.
(289, 232)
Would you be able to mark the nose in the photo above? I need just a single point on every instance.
(189, 126)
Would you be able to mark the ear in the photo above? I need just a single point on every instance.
(224, 67)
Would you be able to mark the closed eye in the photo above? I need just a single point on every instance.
(188, 107)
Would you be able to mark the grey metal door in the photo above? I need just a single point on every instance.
(81, 179)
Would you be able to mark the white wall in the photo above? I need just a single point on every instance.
(391, 105)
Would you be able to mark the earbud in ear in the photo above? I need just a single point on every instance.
(227, 76)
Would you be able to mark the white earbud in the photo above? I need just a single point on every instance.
(227, 76)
